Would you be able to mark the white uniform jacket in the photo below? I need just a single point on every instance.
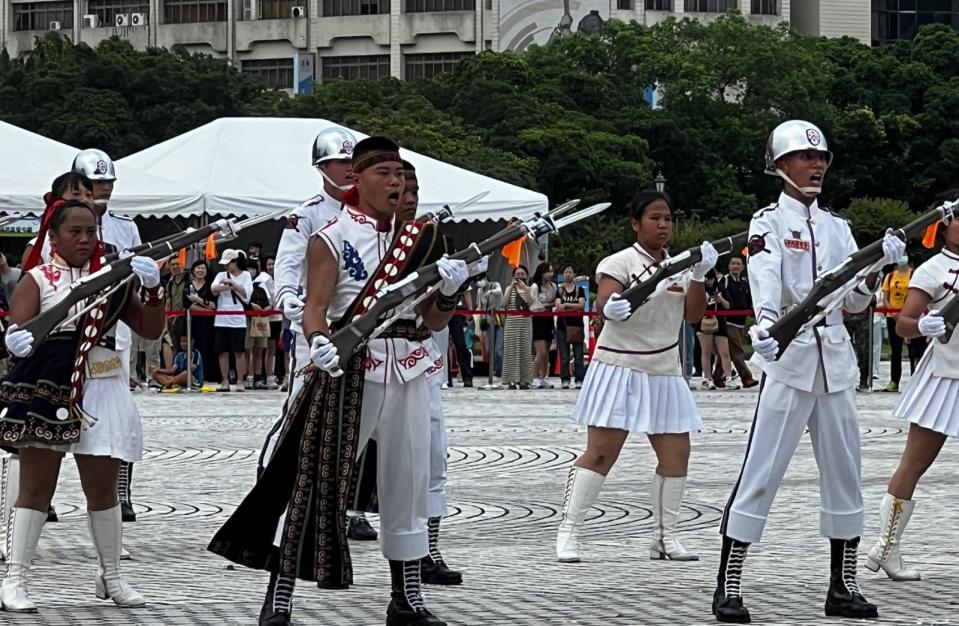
(289, 271)
(790, 245)
(359, 247)
(121, 232)
(939, 278)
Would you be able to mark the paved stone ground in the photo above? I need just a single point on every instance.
(510, 451)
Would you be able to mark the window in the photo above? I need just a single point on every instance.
(764, 7)
(710, 6)
(38, 15)
(190, 11)
(370, 67)
(275, 73)
(278, 9)
(436, 6)
(893, 20)
(429, 65)
(659, 5)
(624, 5)
(107, 10)
(356, 7)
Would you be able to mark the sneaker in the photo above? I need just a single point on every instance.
(707, 384)
(260, 384)
(892, 387)
(284, 387)
(545, 384)
(578, 385)
(536, 384)
(733, 385)
(565, 384)
(273, 385)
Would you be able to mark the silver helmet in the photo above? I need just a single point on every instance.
(94, 164)
(333, 144)
(793, 136)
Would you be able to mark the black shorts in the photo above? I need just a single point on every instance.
(542, 328)
(276, 329)
(917, 347)
(229, 339)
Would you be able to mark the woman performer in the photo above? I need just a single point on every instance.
(70, 396)
(635, 383)
(929, 401)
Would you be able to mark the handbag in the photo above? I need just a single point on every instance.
(575, 334)
(259, 327)
(709, 325)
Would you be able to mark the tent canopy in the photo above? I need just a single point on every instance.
(252, 166)
(33, 161)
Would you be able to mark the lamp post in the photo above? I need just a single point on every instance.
(660, 182)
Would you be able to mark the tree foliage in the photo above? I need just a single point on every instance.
(569, 118)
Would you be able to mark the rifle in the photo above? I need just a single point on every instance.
(351, 338)
(111, 277)
(831, 288)
(950, 315)
(638, 295)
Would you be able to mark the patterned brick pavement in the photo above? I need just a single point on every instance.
(508, 462)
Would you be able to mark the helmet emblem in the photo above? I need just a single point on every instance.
(813, 136)
(101, 167)
(347, 147)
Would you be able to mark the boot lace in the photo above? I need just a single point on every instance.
(434, 540)
(734, 571)
(849, 562)
(411, 586)
(891, 529)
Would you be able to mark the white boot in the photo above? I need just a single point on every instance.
(9, 491)
(582, 487)
(107, 534)
(667, 497)
(894, 514)
(27, 526)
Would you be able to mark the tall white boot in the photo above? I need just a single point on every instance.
(894, 514)
(27, 526)
(667, 497)
(9, 491)
(582, 487)
(107, 534)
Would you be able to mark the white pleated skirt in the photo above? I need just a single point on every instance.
(117, 432)
(931, 401)
(618, 397)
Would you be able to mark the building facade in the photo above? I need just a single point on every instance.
(875, 22)
(287, 42)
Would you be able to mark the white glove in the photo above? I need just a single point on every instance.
(146, 270)
(454, 273)
(765, 346)
(710, 256)
(19, 341)
(324, 355)
(617, 309)
(892, 248)
(292, 307)
(930, 325)
(479, 267)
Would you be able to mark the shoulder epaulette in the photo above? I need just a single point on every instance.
(121, 217)
(771, 207)
(314, 201)
(834, 214)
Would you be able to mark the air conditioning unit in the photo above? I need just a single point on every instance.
(123, 19)
(297, 12)
(138, 19)
(250, 10)
(91, 21)
(54, 26)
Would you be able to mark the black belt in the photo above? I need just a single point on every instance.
(407, 329)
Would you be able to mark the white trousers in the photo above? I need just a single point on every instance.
(782, 415)
(396, 416)
(299, 358)
(436, 504)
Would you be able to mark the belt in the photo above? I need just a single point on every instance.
(407, 329)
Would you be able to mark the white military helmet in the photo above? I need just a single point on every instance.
(793, 136)
(94, 164)
(333, 144)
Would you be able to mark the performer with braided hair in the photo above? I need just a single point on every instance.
(70, 394)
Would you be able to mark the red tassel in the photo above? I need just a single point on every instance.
(34, 259)
(351, 197)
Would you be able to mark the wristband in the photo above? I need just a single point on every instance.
(313, 336)
(445, 304)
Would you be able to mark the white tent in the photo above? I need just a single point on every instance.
(32, 161)
(251, 166)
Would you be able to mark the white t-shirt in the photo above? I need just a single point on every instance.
(231, 300)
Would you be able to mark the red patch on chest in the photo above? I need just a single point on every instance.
(796, 244)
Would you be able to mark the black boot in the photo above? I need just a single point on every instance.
(359, 528)
(844, 598)
(278, 603)
(434, 570)
(406, 606)
(728, 597)
(52, 514)
(127, 514)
